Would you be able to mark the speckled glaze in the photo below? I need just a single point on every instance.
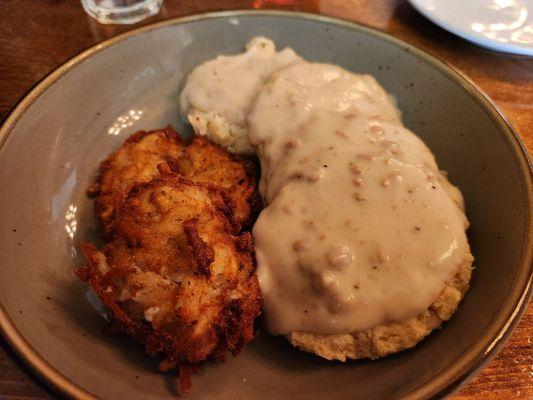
(56, 136)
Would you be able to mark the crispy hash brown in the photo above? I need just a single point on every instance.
(145, 153)
(177, 272)
(173, 275)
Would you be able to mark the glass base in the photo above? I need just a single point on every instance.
(124, 14)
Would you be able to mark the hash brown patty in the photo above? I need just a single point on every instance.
(174, 276)
(142, 157)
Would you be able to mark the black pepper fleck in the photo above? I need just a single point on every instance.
(14, 230)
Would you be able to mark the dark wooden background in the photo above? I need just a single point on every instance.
(36, 36)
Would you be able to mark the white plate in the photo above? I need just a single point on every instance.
(502, 25)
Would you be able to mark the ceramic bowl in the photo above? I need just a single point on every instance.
(54, 139)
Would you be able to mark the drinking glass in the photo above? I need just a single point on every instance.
(121, 11)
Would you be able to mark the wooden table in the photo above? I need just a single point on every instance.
(36, 36)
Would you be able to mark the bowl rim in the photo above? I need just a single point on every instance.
(448, 380)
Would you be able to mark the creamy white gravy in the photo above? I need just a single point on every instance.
(361, 228)
(227, 85)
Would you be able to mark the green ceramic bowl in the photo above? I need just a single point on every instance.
(54, 139)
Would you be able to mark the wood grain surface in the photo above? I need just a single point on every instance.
(36, 36)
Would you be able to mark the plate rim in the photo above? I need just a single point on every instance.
(446, 381)
(472, 38)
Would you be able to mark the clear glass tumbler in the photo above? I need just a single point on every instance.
(121, 11)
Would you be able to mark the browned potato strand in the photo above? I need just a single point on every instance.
(136, 161)
(177, 272)
(202, 161)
